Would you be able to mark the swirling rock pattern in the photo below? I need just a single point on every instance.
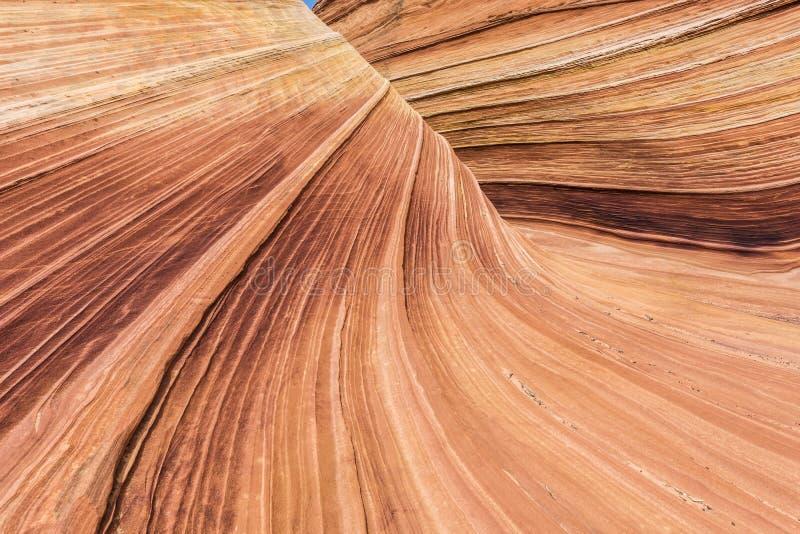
(674, 120)
(245, 288)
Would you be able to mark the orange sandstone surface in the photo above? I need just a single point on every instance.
(245, 288)
(674, 120)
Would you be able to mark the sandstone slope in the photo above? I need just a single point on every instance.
(674, 120)
(245, 288)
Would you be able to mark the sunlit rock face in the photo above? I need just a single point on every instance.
(672, 120)
(245, 288)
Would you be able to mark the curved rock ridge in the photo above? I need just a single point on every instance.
(674, 120)
(245, 288)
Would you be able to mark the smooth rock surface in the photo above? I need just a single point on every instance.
(245, 288)
(674, 120)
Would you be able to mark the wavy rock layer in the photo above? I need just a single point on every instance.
(244, 288)
(663, 119)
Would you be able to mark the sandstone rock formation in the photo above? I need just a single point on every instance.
(674, 120)
(245, 288)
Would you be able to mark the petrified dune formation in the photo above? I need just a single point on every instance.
(245, 288)
(568, 110)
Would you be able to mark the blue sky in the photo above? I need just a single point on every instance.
(310, 3)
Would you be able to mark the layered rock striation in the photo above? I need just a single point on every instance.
(245, 288)
(672, 120)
